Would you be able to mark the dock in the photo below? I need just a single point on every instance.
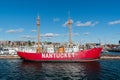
(103, 56)
(9, 57)
(110, 56)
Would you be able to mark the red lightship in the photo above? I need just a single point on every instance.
(69, 53)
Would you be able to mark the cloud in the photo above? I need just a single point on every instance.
(118, 33)
(73, 34)
(88, 23)
(65, 24)
(34, 30)
(56, 20)
(87, 33)
(15, 30)
(76, 34)
(1, 29)
(49, 35)
(114, 22)
(28, 37)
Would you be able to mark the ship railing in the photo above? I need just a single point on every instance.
(27, 49)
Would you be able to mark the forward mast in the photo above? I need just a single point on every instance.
(39, 49)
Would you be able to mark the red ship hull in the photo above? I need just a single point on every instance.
(80, 56)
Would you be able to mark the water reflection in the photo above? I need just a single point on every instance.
(92, 70)
(21, 70)
(33, 65)
(69, 71)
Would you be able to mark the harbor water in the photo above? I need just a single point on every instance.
(16, 69)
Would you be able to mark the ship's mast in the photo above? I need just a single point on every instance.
(38, 25)
(70, 30)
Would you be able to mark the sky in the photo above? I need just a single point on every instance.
(92, 20)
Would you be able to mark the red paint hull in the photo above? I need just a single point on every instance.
(80, 56)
